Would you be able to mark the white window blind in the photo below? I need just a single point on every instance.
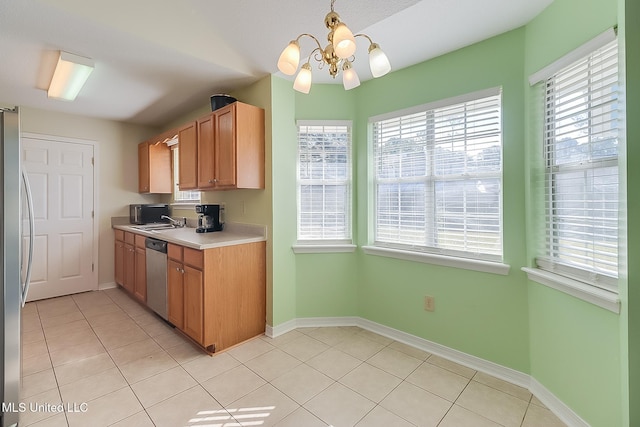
(438, 179)
(179, 196)
(581, 177)
(324, 181)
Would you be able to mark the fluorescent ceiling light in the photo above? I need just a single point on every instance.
(69, 76)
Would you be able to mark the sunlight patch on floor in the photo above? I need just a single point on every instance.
(245, 417)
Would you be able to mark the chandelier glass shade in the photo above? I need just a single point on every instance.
(338, 56)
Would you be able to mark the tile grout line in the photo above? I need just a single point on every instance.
(198, 383)
(121, 300)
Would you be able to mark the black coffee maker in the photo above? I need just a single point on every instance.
(209, 218)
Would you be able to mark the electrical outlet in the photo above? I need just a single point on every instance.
(429, 303)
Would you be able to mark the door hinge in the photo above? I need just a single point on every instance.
(93, 214)
(92, 267)
(93, 161)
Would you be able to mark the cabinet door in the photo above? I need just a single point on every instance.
(225, 147)
(175, 293)
(159, 169)
(187, 144)
(119, 262)
(206, 152)
(143, 167)
(193, 303)
(129, 267)
(140, 283)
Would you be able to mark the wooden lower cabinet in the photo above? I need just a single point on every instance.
(129, 275)
(193, 303)
(175, 292)
(221, 292)
(119, 257)
(131, 263)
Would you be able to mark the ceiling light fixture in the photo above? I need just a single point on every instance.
(69, 76)
(338, 55)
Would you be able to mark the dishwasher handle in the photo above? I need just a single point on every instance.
(156, 245)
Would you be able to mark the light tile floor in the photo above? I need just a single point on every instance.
(132, 369)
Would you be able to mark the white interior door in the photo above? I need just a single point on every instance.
(61, 178)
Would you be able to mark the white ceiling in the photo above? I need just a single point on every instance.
(157, 59)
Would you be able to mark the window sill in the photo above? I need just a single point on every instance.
(184, 205)
(600, 297)
(323, 249)
(447, 261)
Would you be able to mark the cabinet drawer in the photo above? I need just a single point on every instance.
(174, 252)
(140, 241)
(194, 258)
(129, 238)
(119, 235)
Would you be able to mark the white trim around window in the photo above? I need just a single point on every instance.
(580, 146)
(324, 180)
(594, 44)
(443, 260)
(437, 181)
(586, 292)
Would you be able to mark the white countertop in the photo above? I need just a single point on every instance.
(233, 234)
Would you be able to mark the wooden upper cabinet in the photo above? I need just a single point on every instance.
(230, 149)
(220, 151)
(225, 147)
(206, 152)
(248, 137)
(188, 160)
(154, 167)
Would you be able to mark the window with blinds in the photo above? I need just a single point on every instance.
(581, 177)
(438, 178)
(180, 196)
(324, 181)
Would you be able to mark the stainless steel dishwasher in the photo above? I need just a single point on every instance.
(156, 251)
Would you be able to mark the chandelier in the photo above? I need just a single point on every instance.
(338, 55)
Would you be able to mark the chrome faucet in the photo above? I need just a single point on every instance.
(175, 222)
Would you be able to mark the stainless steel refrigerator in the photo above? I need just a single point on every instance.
(15, 205)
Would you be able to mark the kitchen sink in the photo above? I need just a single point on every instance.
(151, 227)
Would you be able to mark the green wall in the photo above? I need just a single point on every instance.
(576, 350)
(284, 153)
(326, 284)
(478, 313)
(574, 345)
(630, 319)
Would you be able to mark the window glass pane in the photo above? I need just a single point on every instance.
(438, 179)
(468, 215)
(401, 215)
(581, 145)
(324, 188)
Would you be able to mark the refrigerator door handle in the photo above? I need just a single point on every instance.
(27, 279)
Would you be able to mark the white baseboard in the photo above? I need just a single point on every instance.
(521, 379)
(556, 405)
(281, 329)
(473, 362)
(107, 285)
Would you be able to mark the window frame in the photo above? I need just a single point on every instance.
(550, 259)
(430, 254)
(176, 192)
(307, 243)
